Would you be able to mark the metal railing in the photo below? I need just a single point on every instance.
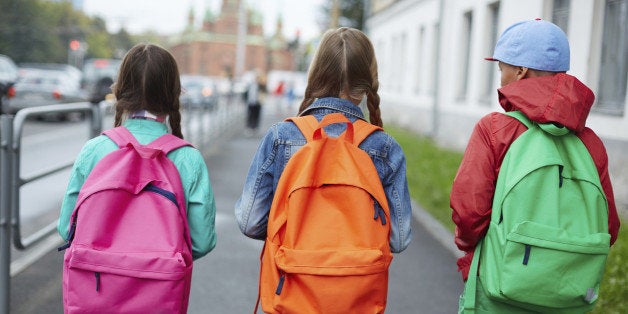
(200, 126)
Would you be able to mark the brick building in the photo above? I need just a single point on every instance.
(211, 49)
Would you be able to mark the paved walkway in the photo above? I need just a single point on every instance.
(423, 279)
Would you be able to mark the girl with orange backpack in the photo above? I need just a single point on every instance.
(343, 73)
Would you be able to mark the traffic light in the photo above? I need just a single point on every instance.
(75, 45)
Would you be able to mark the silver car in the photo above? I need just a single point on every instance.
(40, 87)
(8, 76)
(198, 92)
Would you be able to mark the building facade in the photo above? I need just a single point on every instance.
(434, 80)
(211, 49)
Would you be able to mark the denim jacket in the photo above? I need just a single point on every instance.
(283, 139)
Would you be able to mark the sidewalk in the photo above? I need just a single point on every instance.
(423, 279)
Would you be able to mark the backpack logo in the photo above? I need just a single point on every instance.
(547, 242)
(327, 246)
(129, 247)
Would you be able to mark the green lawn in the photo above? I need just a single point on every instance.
(431, 171)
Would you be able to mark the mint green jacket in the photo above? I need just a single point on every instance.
(200, 204)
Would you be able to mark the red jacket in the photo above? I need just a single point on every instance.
(560, 98)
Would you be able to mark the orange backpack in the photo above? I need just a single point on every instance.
(327, 246)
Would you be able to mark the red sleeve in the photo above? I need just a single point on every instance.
(474, 185)
(596, 148)
(472, 193)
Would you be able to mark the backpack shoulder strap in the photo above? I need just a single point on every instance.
(362, 130)
(521, 117)
(306, 124)
(168, 143)
(121, 136)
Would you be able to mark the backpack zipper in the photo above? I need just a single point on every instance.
(379, 212)
(526, 254)
(169, 195)
(97, 274)
(282, 278)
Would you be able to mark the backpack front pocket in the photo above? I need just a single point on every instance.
(336, 281)
(545, 266)
(124, 281)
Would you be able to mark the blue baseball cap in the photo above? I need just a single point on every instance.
(535, 44)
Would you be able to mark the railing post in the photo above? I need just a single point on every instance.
(97, 117)
(6, 136)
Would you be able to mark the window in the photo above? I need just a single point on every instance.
(419, 61)
(560, 14)
(614, 58)
(467, 30)
(434, 59)
(491, 67)
(401, 60)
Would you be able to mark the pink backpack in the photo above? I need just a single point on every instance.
(129, 248)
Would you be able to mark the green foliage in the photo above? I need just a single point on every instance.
(431, 171)
(351, 13)
(24, 31)
(40, 31)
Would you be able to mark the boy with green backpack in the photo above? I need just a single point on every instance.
(532, 200)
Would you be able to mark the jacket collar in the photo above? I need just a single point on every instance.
(561, 98)
(332, 104)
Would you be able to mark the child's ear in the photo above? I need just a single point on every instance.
(522, 72)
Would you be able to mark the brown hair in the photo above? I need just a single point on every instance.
(344, 66)
(149, 80)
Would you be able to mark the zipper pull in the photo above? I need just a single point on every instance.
(379, 212)
(97, 274)
(282, 277)
(526, 254)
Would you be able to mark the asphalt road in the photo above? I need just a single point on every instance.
(423, 279)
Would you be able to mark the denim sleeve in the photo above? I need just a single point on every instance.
(396, 189)
(253, 207)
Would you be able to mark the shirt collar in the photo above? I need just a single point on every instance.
(146, 115)
(142, 125)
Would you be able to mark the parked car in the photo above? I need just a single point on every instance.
(70, 69)
(40, 87)
(198, 91)
(8, 77)
(98, 76)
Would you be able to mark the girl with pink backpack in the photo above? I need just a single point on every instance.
(139, 207)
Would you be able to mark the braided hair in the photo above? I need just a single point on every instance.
(149, 80)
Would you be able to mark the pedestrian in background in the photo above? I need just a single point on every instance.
(147, 103)
(342, 73)
(533, 57)
(255, 93)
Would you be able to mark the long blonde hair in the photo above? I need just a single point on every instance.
(344, 66)
(149, 80)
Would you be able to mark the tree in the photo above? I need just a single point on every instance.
(351, 13)
(25, 31)
(40, 31)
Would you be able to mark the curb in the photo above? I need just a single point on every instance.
(436, 229)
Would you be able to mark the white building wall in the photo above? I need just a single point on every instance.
(402, 61)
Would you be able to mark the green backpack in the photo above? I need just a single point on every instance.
(547, 243)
